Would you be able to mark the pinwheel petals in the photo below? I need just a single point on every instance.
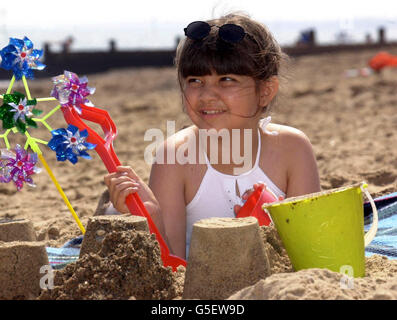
(70, 143)
(18, 166)
(71, 90)
(17, 111)
(20, 57)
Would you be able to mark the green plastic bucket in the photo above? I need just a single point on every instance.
(325, 229)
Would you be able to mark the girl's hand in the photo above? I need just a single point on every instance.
(124, 182)
(248, 193)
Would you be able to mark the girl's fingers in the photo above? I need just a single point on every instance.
(236, 209)
(128, 171)
(258, 184)
(116, 179)
(120, 184)
(121, 171)
(120, 201)
(247, 193)
(116, 190)
(114, 175)
(107, 178)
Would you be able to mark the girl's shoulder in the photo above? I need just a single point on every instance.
(177, 146)
(286, 133)
(294, 153)
(288, 139)
(183, 136)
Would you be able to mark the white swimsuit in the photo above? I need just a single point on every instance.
(216, 196)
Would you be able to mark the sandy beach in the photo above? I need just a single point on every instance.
(351, 123)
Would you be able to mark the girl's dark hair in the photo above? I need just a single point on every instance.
(258, 55)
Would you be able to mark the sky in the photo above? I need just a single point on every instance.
(55, 13)
(152, 19)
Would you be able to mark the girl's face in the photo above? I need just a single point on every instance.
(224, 101)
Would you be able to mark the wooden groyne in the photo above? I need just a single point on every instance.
(84, 63)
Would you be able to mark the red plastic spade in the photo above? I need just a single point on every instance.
(253, 205)
(105, 150)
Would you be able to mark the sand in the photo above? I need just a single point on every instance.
(350, 121)
(380, 283)
(128, 266)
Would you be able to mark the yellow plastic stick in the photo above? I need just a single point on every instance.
(65, 199)
(45, 99)
(4, 136)
(32, 143)
(49, 114)
(11, 85)
(25, 83)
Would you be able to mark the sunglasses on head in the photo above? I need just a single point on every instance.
(230, 32)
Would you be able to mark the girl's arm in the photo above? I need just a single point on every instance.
(167, 183)
(302, 171)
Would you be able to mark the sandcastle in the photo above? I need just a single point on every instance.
(17, 230)
(21, 259)
(226, 255)
(24, 260)
(99, 226)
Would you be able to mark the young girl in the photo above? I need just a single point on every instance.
(228, 74)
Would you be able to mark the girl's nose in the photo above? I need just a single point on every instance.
(209, 93)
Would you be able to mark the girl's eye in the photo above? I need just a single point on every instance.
(227, 79)
(193, 80)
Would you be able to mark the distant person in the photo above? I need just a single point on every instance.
(228, 70)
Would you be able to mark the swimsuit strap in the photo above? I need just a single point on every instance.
(263, 124)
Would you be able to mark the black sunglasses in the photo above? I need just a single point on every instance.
(231, 33)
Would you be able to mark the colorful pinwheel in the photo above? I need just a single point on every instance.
(70, 143)
(17, 111)
(20, 57)
(71, 90)
(18, 166)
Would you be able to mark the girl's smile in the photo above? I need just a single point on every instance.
(209, 113)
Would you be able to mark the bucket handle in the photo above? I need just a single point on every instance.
(370, 235)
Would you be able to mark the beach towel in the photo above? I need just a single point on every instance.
(68, 253)
(385, 241)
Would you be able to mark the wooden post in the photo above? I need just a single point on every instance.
(112, 44)
(382, 35)
(312, 37)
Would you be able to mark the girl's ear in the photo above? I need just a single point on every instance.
(268, 90)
